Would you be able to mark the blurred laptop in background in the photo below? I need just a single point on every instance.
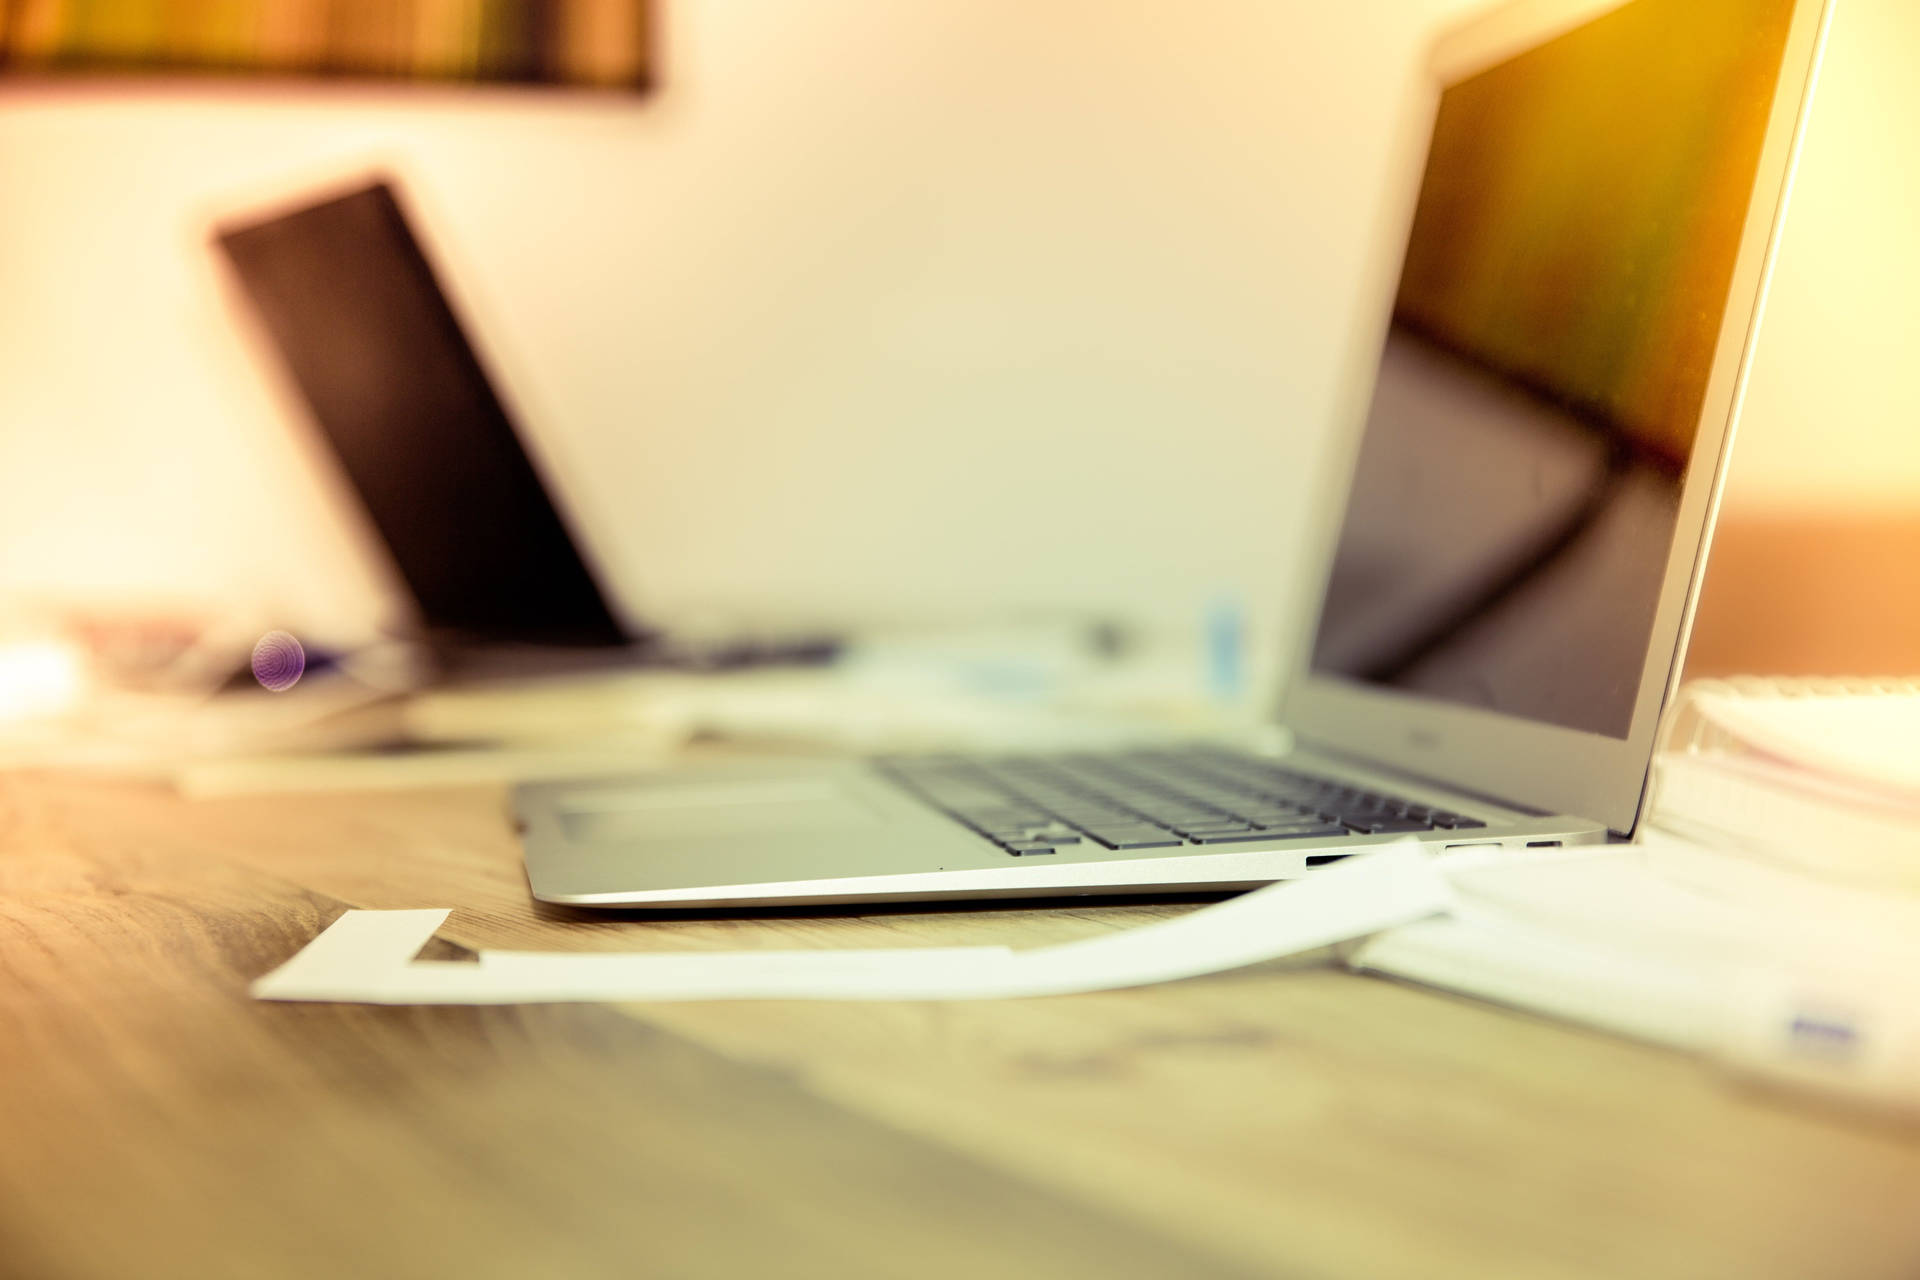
(354, 312)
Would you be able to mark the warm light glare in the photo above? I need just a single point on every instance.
(37, 680)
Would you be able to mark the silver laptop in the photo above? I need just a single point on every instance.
(1511, 554)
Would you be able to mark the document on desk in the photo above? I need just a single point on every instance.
(368, 956)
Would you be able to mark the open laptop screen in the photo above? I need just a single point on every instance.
(357, 316)
(1572, 249)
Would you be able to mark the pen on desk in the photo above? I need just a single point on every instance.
(1826, 1036)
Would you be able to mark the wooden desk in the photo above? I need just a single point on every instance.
(1287, 1119)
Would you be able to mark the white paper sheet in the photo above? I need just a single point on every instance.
(367, 956)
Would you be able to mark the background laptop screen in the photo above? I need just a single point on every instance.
(1564, 284)
(356, 313)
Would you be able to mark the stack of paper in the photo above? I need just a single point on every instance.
(1675, 942)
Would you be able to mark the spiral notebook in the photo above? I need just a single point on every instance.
(1819, 775)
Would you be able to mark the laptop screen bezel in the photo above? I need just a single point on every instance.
(1525, 762)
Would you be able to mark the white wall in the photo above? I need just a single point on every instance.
(1833, 413)
(876, 309)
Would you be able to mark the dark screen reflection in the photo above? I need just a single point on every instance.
(1517, 487)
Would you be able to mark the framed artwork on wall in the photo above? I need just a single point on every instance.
(598, 44)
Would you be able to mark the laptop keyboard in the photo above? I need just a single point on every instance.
(1152, 799)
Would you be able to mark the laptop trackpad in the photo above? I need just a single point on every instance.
(711, 809)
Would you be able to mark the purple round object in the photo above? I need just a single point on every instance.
(278, 661)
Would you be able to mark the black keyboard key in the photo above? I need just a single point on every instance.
(1383, 826)
(1292, 829)
(1327, 832)
(1139, 840)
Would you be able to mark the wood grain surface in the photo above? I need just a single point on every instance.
(1286, 1119)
